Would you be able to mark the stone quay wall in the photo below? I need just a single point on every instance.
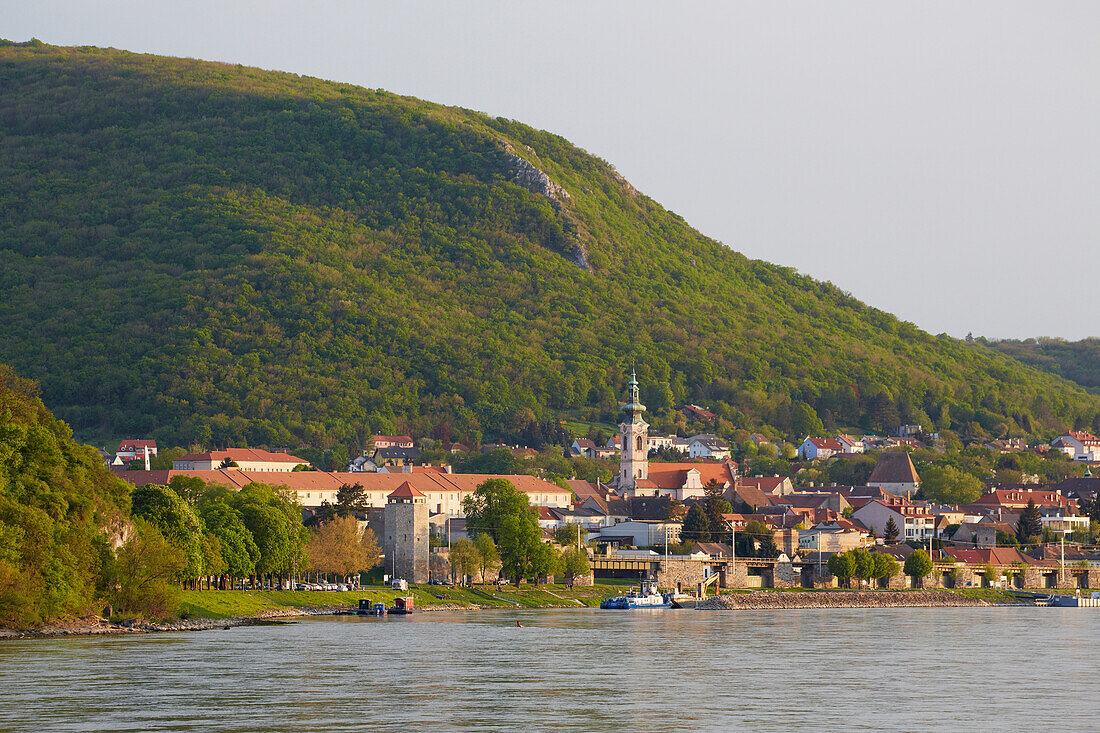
(836, 599)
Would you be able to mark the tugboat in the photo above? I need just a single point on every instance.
(646, 597)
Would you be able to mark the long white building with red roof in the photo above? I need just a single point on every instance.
(444, 492)
(246, 459)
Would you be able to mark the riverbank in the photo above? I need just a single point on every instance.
(853, 599)
(205, 610)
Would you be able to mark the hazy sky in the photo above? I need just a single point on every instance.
(938, 160)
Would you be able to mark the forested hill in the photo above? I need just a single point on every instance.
(221, 255)
(1078, 361)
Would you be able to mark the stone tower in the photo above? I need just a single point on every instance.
(634, 459)
(406, 544)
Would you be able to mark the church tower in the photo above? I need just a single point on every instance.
(634, 459)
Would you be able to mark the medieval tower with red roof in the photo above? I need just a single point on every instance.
(406, 542)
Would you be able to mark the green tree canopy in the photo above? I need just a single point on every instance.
(575, 563)
(176, 520)
(238, 549)
(918, 564)
(949, 485)
(488, 555)
(274, 520)
(569, 535)
(696, 525)
(1029, 526)
(492, 502)
(890, 534)
(58, 504)
(842, 565)
(465, 559)
(885, 566)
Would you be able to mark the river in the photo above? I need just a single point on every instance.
(574, 670)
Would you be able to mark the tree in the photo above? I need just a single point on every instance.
(189, 488)
(545, 561)
(753, 536)
(864, 563)
(842, 565)
(714, 506)
(177, 522)
(491, 503)
(1094, 509)
(520, 545)
(1029, 526)
(768, 548)
(351, 498)
(338, 547)
(918, 564)
(238, 549)
(948, 485)
(274, 519)
(214, 563)
(146, 563)
(885, 566)
(465, 559)
(569, 535)
(488, 556)
(891, 532)
(805, 420)
(696, 525)
(575, 563)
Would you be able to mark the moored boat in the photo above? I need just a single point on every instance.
(402, 606)
(645, 597)
(367, 609)
(1075, 601)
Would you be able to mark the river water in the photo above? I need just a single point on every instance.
(575, 670)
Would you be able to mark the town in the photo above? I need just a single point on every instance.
(684, 512)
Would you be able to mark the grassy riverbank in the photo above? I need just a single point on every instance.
(239, 603)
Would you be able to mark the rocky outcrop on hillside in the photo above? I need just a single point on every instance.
(527, 175)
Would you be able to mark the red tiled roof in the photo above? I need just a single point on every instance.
(700, 411)
(995, 556)
(1015, 498)
(673, 475)
(129, 445)
(1084, 437)
(827, 443)
(243, 454)
(894, 467)
(405, 491)
(749, 494)
(584, 489)
(767, 484)
(333, 480)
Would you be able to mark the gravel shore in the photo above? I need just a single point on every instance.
(837, 599)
